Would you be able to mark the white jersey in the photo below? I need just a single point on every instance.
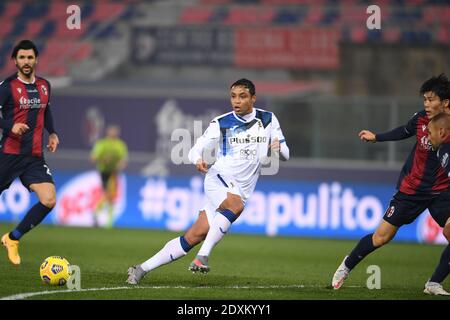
(241, 144)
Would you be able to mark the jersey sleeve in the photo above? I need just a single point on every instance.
(96, 149)
(444, 154)
(277, 133)
(208, 140)
(124, 151)
(48, 120)
(5, 94)
(400, 133)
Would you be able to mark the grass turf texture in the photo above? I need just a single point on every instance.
(242, 267)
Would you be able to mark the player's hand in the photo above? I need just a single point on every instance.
(19, 128)
(275, 145)
(367, 135)
(53, 142)
(202, 166)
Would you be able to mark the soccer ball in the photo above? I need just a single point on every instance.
(55, 271)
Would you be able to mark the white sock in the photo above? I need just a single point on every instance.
(170, 252)
(217, 230)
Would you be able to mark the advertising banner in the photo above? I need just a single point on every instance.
(324, 209)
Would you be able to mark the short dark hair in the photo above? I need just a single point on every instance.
(439, 85)
(24, 45)
(245, 83)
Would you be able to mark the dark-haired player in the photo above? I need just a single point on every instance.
(243, 137)
(422, 183)
(25, 109)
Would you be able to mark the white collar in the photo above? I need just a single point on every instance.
(32, 82)
(246, 118)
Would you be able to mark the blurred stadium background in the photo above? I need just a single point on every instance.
(155, 66)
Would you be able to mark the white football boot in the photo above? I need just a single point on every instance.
(435, 289)
(340, 275)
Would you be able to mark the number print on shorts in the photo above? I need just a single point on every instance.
(48, 170)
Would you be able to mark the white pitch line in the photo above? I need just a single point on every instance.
(26, 295)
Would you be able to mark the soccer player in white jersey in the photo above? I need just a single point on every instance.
(244, 138)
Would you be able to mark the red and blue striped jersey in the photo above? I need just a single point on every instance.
(422, 173)
(27, 103)
(443, 154)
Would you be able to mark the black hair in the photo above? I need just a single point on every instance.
(24, 45)
(439, 85)
(245, 83)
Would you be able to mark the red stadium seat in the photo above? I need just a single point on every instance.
(195, 15)
(105, 11)
(250, 15)
(12, 9)
(33, 28)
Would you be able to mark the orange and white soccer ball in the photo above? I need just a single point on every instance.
(55, 271)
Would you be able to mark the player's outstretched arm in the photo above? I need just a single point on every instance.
(367, 136)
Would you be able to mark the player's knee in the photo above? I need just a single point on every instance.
(446, 232)
(48, 201)
(236, 208)
(234, 205)
(381, 239)
(194, 238)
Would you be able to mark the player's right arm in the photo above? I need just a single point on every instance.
(96, 150)
(208, 140)
(400, 133)
(17, 128)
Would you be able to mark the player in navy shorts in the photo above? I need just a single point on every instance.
(422, 185)
(25, 112)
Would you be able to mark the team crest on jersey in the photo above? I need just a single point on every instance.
(425, 143)
(390, 211)
(19, 90)
(424, 128)
(444, 160)
(44, 89)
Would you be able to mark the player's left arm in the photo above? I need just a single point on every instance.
(53, 140)
(124, 156)
(444, 155)
(278, 144)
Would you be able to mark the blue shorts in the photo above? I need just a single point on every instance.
(29, 169)
(404, 209)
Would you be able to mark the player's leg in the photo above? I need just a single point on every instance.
(111, 192)
(366, 245)
(47, 200)
(46, 194)
(173, 250)
(104, 177)
(441, 215)
(228, 211)
(402, 210)
(36, 177)
(224, 205)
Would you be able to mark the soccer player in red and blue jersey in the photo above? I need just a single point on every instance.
(439, 137)
(25, 110)
(422, 184)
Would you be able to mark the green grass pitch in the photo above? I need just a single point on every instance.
(242, 267)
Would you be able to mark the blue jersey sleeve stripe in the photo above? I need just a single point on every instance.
(283, 140)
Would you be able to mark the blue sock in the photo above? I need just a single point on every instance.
(362, 249)
(443, 268)
(35, 215)
(184, 244)
(228, 214)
